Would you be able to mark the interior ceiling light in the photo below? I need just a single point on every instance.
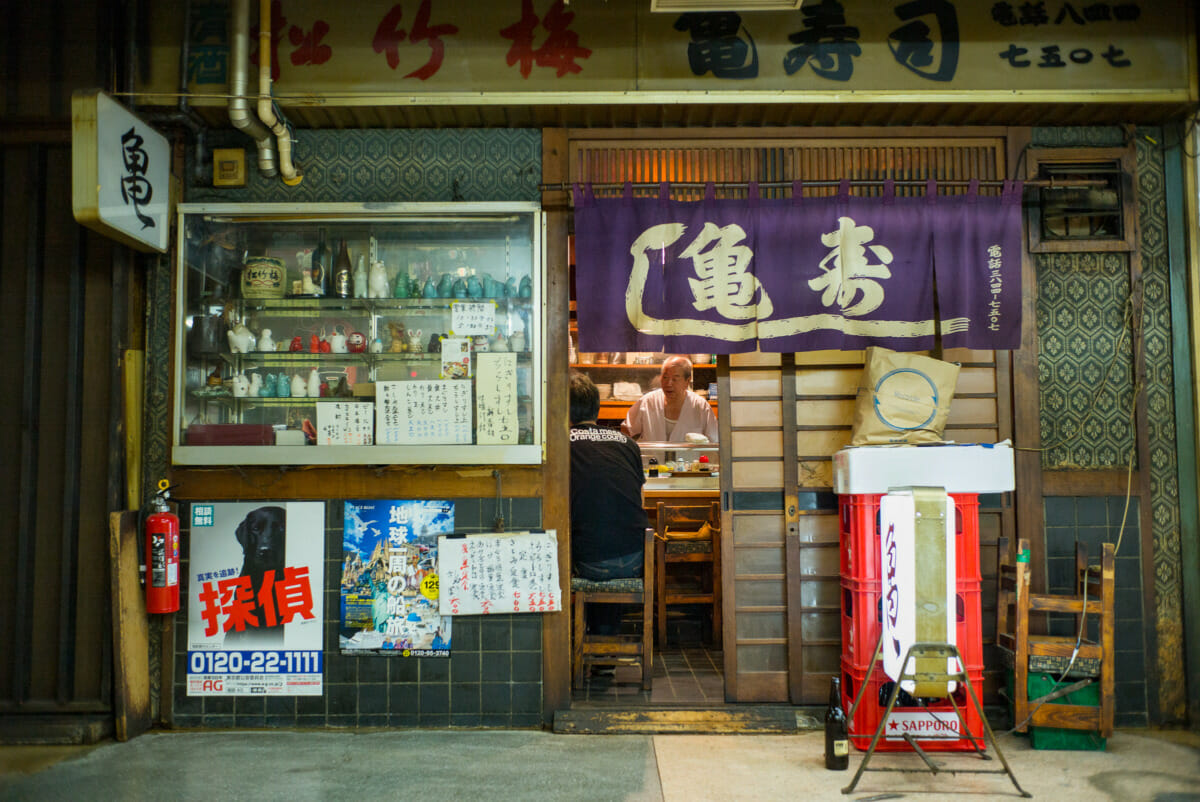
(681, 6)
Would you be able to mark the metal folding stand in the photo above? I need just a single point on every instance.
(924, 655)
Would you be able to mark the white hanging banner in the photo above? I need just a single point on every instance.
(918, 582)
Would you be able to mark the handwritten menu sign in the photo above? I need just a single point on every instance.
(468, 319)
(496, 398)
(424, 411)
(345, 423)
(499, 573)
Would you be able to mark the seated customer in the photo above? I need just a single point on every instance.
(670, 413)
(608, 522)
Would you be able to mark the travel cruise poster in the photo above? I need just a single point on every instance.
(389, 589)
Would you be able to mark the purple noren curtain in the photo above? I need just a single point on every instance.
(800, 274)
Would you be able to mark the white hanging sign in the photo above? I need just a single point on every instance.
(120, 173)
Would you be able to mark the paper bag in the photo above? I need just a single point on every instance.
(902, 398)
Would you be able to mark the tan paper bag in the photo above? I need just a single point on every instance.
(902, 398)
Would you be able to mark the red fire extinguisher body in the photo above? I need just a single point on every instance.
(162, 562)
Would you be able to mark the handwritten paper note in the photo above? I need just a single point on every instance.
(430, 411)
(499, 573)
(496, 398)
(345, 423)
(469, 319)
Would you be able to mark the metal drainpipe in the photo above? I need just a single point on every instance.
(266, 112)
(239, 104)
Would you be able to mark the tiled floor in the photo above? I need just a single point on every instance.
(683, 675)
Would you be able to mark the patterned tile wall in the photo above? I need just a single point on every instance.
(1082, 312)
(414, 165)
(493, 678)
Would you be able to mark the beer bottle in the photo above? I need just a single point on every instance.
(322, 261)
(837, 742)
(342, 276)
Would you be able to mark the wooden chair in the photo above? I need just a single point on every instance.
(688, 532)
(1026, 651)
(589, 649)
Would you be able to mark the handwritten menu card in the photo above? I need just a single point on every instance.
(496, 398)
(345, 423)
(424, 411)
(499, 573)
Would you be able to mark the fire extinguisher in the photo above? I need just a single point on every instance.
(162, 555)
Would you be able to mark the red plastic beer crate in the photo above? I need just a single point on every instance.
(935, 719)
(859, 525)
(862, 621)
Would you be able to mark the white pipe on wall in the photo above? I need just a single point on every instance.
(239, 105)
(266, 111)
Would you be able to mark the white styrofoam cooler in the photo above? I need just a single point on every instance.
(957, 468)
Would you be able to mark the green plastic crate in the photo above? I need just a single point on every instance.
(1055, 737)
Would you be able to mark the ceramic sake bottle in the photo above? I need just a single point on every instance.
(314, 384)
(299, 386)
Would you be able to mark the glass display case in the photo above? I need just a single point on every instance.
(359, 334)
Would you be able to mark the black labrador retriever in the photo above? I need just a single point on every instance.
(263, 536)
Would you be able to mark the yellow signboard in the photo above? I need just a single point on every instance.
(468, 50)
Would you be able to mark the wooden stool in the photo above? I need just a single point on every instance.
(589, 649)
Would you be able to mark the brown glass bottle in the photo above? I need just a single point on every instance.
(837, 742)
(342, 273)
(322, 261)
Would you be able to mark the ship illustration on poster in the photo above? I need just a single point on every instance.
(389, 588)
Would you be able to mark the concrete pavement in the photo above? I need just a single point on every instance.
(295, 766)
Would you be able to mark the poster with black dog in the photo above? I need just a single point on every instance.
(257, 573)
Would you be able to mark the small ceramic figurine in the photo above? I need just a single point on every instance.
(283, 387)
(241, 339)
(398, 344)
(492, 288)
(429, 290)
(474, 287)
(241, 385)
(378, 282)
(337, 341)
(299, 386)
(360, 277)
(445, 286)
(256, 383)
(500, 342)
(377, 346)
(314, 384)
(356, 342)
(434, 339)
(401, 287)
(414, 341)
(265, 341)
(297, 344)
(268, 389)
(459, 288)
(510, 287)
(525, 289)
(517, 341)
(479, 342)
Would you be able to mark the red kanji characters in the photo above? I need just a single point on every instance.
(294, 595)
(279, 601)
(309, 49)
(560, 49)
(237, 603)
(389, 35)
